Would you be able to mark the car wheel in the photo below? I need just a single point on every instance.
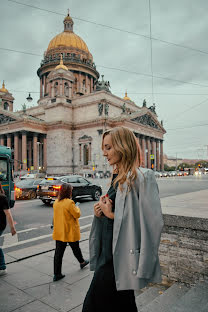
(96, 195)
(46, 201)
(32, 195)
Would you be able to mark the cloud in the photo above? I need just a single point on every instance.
(184, 22)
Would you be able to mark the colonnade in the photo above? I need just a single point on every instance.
(152, 152)
(83, 83)
(30, 149)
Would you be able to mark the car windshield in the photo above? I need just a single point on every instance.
(25, 183)
(49, 182)
(3, 170)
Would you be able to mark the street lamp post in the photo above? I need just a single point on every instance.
(38, 154)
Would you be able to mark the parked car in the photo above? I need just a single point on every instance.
(179, 174)
(49, 187)
(27, 189)
(157, 174)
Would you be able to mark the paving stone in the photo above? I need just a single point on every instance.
(36, 306)
(67, 297)
(11, 297)
(164, 302)
(148, 295)
(196, 299)
(27, 278)
(45, 290)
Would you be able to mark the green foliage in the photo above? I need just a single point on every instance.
(185, 165)
(201, 164)
(167, 168)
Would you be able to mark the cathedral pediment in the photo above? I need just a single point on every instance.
(147, 120)
(4, 118)
(85, 138)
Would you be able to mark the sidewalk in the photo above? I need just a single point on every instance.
(28, 286)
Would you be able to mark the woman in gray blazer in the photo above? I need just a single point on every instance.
(126, 229)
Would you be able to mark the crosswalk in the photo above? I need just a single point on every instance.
(9, 241)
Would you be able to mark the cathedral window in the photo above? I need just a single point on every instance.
(66, 89)
(86, 154)
(6, 106)
(56, 89)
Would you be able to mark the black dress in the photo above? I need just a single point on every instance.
(102, 294)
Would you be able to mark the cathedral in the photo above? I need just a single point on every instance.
(62, 133)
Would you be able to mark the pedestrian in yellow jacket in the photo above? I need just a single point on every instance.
(66, 229)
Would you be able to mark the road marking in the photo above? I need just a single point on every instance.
(9, 239)
(25, 202)
(37, 228)
(38, 238)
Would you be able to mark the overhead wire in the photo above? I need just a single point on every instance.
(123, 70)
(151, 61)
(112, 27)
(119, 69)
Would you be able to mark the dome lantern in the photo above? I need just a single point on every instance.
(61, 65)
(68, 23)
(3, 89)
(126, 98)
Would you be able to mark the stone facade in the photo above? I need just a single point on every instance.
(62, 134)
(184, 249)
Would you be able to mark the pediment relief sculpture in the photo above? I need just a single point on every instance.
(85, 138)
(5, 119)
(146, 120)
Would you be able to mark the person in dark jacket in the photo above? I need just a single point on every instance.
(5, 216)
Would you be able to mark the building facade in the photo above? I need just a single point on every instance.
(62, 134)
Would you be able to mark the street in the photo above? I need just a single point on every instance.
(33, 219)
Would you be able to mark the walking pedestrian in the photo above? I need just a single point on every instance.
(126, 229)
(66, 229)
(5, 216)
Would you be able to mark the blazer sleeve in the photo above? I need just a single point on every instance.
(95, 242)
(74, 210)
(151, 223)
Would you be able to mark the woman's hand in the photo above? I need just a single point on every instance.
(105, 205)
(97, 210)
(13, 231)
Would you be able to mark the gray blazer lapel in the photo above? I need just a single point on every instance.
(118, 214)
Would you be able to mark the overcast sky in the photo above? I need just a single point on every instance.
(180, 82)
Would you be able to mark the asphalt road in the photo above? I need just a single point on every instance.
(33, 218)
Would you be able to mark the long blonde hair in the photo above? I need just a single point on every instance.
(126, 145)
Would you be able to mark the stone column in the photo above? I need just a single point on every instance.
(41, 89)
(61, 87)
(45, 152)
(24, 150)
(44, 85)
(35, 154)
(157, 156)
(1, 140)
(80, 84)
(50, 89)
(16, 151)
(148, 153)
(161, 156)
(154, 152)
(87, 83)
(91, 85)
(9, 140)
(143, 147)
(29, 154)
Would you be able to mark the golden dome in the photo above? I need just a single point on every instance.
(126, 98)
(69, 40)
(3, 89)
(61, 65)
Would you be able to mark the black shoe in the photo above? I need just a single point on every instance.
(58, 277)
(82, 265)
